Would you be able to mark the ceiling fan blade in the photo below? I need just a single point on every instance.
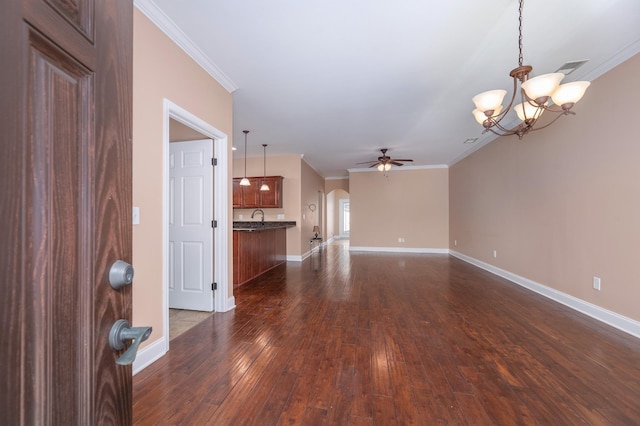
(385, 160)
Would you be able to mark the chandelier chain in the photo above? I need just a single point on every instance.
(520, 34)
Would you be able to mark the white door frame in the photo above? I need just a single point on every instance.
(223, 301)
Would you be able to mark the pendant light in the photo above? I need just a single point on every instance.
(264, 186)
(245, 181)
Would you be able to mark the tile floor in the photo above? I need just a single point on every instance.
(181, 320)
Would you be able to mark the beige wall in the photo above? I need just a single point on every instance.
(311, 192)
(332, 184)
(563, 204)
(412, 204)
(287, 166)
(162, 70)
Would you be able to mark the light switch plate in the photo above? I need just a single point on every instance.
(596, 283)
(135, 216)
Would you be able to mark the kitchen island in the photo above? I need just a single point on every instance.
(258, 247)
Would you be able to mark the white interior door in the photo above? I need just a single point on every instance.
(190, 225)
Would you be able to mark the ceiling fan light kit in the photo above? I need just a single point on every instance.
(535, 93)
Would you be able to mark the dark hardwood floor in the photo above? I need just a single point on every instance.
(363, 338)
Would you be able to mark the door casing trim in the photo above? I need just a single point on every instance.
(223, 301)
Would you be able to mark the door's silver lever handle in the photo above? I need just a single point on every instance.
(121, 331)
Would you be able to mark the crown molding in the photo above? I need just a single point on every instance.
(167, 26)
(622, 55)
(312, 167)
(398, 169)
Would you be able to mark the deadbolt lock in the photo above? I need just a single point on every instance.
(120, 274)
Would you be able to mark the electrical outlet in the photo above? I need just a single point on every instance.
(495, 254)
(455, 242)
(280, 216)
(240, 217)
(135, 216)
(400, 239)
(596, 283)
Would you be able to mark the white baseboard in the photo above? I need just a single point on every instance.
(156, 350)
(305, 254)
(231, 304)
(400, 250)
(611, 318)
(149, 354)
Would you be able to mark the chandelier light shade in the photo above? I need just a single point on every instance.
(570, 93)
(245, 181)
(543, 86)
(525, 111)
(264, 186)
(535, 93)
(489, 101)
(480, 116)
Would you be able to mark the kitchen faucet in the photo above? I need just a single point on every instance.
(258, 211)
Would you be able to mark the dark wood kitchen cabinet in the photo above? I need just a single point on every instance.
(250, 197)
(257, 251)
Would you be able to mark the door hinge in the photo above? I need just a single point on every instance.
(214, 286)
(214, 223)
(214, 161)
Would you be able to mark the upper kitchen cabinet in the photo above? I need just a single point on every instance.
(250, 197)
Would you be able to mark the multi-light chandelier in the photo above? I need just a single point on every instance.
(534, 98)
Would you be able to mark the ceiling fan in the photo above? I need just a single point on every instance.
(385, 162)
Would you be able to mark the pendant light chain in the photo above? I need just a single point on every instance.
(264, 186)
(520, 34)
(245, 152)
(264, 162)
(245, 181)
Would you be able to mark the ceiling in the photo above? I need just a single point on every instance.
(336, 80)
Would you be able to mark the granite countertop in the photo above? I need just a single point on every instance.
(258, 225)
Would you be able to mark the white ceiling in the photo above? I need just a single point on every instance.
(336, 80)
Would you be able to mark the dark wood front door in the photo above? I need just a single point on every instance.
(65, 209)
